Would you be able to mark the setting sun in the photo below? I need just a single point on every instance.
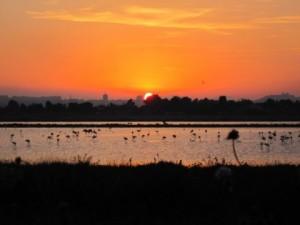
(147, 95)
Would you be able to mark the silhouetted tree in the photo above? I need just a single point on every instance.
(152, 100)
(222, 99)
(155, 106)
(12, 106)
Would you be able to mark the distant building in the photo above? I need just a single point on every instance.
(28, 100)
(4, 99)
(73, 100)
(105, 99)
(139, 101)
(118, 102)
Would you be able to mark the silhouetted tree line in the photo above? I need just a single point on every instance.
(156, 107)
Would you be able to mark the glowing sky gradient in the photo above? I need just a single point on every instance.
(241, 48)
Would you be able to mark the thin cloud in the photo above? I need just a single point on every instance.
(161, 18)
(142, 16)
(279, 20)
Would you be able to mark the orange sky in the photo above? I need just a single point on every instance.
(83, 48)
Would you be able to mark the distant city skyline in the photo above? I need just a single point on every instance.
(105, 98)
(113, 95)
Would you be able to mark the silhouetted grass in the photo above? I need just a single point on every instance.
(162, 193)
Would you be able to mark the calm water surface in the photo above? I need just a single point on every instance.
(144, 145)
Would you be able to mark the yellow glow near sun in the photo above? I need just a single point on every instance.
(147, 95)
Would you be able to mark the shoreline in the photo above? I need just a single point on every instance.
(154, 125)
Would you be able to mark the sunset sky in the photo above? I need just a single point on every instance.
(84, 48)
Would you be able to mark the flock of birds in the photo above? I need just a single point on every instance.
(93, 133)
(270, 137)
(138, 133)
(267, 139)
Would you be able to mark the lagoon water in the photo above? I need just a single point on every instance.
(191, 145)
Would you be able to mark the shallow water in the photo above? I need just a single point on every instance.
(109, 146)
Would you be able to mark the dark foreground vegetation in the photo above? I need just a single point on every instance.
(162, 193)
(156, 109)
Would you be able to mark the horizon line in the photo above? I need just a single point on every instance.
(142, 95)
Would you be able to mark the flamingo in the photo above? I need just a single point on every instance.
(130, 161)
(261, 145)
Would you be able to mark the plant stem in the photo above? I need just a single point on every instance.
(234, 152)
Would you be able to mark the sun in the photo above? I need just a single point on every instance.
(147, 95)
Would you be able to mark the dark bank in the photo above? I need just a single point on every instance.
(157, 193)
